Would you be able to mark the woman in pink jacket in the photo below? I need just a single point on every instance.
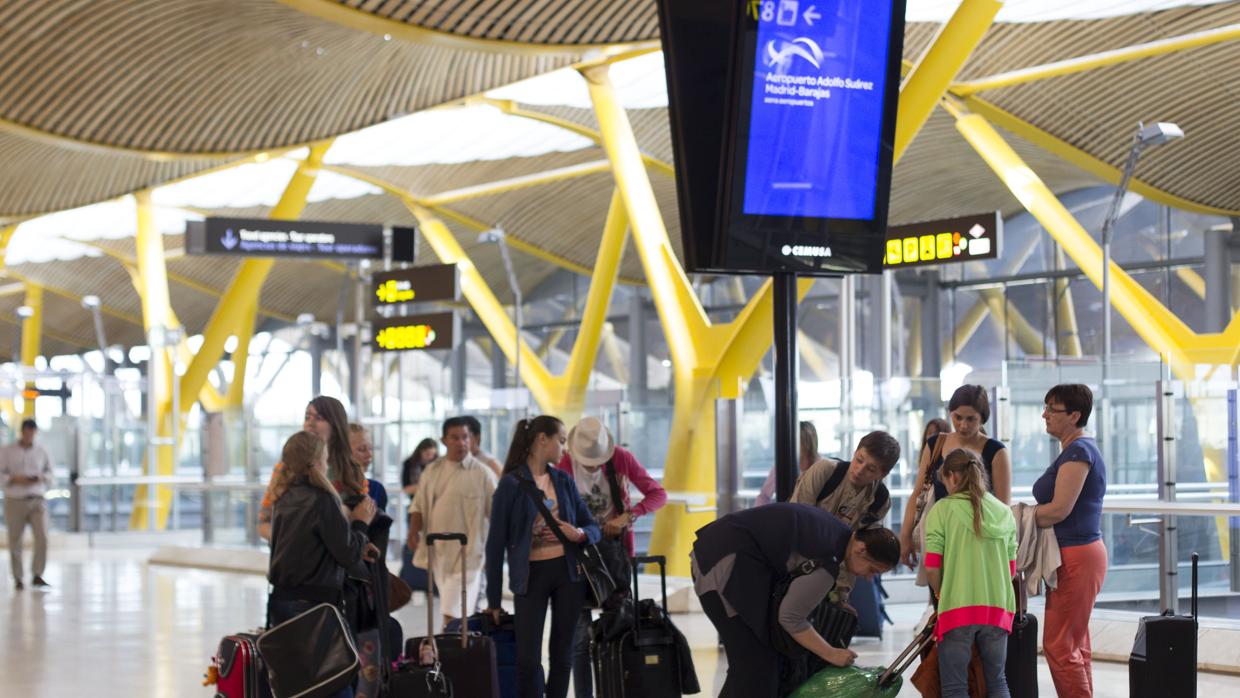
(603, 473)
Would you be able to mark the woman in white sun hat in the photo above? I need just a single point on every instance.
(603, 472)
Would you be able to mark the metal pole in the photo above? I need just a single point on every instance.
(785, 370)
(1108, 226)
(517, 302)
(1233, 487)
(359, 312)
(1168, 542)
(884, 339)
(727, 429)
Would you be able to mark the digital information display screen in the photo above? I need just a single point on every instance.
(436, 282)
(416, 332)
(816, 108)
(964, 239)
(260, 237)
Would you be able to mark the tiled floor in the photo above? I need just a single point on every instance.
(114, 626)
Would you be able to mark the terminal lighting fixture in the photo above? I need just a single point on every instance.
(90, 302)
(25, 312)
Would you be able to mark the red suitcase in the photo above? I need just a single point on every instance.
(240, 672)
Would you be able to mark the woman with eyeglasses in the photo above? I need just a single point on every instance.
(969, 410)
(737, 562)
(1069, 496)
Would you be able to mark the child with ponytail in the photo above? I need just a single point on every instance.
(970, 558)
(542, 561)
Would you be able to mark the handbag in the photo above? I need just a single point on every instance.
(593, 566)
(927, 680)
(925, 500)
(311, 654)
(399, 593)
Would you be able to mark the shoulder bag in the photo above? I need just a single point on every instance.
(925, 500)
(310, 654)
(593, 566)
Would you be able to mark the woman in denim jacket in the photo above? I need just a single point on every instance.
(541, 570)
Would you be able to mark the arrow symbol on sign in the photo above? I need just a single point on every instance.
(229, 240)
(810, 15)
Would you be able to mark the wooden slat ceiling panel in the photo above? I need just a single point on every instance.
(67, 327)
(428, 180)
(221, 75)
(39, 176)
(533, 21)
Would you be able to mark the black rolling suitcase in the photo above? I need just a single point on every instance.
(1164, 656)
(642, 662)
(1021, 668)
(464, 665)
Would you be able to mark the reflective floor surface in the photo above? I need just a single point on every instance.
(112, 625)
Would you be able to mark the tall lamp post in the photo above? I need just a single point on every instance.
(1145, 137)
(497, 235)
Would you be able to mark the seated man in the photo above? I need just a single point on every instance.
(852, 490)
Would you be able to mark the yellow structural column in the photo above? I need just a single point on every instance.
(32, 339)
(158, 319)
(563, 395)
(938, 66)
(246, 285)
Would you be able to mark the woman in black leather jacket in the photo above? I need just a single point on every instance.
(312, 541)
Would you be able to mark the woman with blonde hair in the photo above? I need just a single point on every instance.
(313, 542)
(970, 560)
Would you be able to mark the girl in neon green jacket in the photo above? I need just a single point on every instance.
(971, 558)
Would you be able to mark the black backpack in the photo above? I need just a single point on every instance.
(881, 495)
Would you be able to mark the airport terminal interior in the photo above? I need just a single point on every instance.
(214, 211)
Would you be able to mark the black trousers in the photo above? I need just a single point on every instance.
(548, 584)
(753, 665)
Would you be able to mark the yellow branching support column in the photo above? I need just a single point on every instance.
(32, 338)
(938, 66)
(563, 395)
(157, 319)
(229, 316)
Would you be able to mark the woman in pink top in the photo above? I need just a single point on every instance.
(603, 472)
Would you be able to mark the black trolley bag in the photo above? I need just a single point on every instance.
(1021, 668)
(464, 665)
(1164, 655)
(642, 662)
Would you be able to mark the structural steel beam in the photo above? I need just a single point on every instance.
(562, 395)
(939, 65)
(1075, 156)
(447, 213)
(32, 338)
(1159, 327)
(1102, 59)
(972, 319)
(6, 234)
(506, 185)
(1069, 339)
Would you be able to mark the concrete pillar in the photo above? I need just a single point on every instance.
(1218, 279)
(458, 365)
(499, 369)
(931, 351)
(316, 366)
(638, 378)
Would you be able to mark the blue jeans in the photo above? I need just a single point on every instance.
(956, 650)
(280, 610)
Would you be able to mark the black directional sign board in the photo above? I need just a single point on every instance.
(415, 332)
(965, 239)
(256, 237)
(437, 282)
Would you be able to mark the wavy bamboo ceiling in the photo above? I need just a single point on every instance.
(104, 97)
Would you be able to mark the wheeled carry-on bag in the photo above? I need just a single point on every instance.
(642, 662)
(1021, 668)
(239, 671)
(1164, 655)
(463, 663)
(504, 636)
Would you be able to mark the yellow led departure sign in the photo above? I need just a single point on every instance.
(415, 332)
(953, 240)
(394, 291)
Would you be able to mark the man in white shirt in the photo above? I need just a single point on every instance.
(454, 496)
(26, 475)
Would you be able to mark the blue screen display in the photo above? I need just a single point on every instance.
(816, 114)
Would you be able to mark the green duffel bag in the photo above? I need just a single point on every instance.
(848, 682)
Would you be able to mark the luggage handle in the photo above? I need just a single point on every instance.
(661, 561)
(905, 659)
(431, 539)
(1195, 556)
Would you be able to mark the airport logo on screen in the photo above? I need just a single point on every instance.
(963, 239)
